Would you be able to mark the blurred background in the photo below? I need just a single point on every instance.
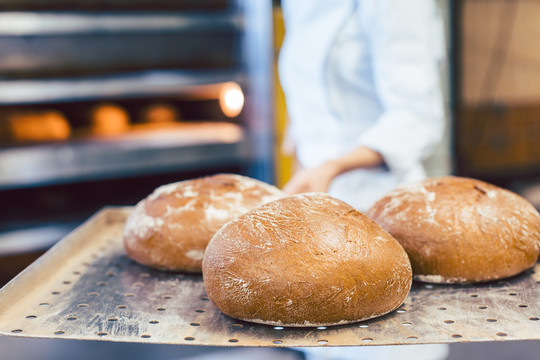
(101, 101)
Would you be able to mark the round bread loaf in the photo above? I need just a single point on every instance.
(109, 119)
(305, 260)
(170, 228)
(461, 230)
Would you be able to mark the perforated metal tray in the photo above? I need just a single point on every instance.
(85, 287)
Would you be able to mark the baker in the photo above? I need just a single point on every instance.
(361, 81)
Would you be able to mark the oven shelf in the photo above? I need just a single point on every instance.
(185, 147)
(178, 83)
(38, 44)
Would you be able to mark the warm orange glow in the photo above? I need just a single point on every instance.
(231, 99)
(109, 119)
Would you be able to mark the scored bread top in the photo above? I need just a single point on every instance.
(305, 260)
(460, 230)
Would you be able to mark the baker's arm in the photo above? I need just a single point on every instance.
(319, 178)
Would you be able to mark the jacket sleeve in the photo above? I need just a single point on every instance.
(405, 38)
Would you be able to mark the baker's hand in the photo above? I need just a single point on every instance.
(316, 179)
(319, 178)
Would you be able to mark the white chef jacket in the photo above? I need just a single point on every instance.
(363, 72)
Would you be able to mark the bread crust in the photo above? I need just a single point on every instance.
(171, 227)
(461, 230)
(305, 260)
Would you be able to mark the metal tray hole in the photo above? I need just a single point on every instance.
(110, 274)
(457, 336)
(138, 284)
(321, 327)
(473, 295)
(428, 286)
(482, 307)
(17, 331)
(534, 319)
(412, 338)
(502, 334)
(59, 332)
(367, 340)
(76, 272)
(523, 305)
(146, 336)
(205, 298)
(239, 326)
(189, 338)
(161, 309)
(56, 293)
(129, 295)
(44, 304)
(102, 333)
(121, 307)
(153, 322)
(93, 293)
(322, 342)
(102, 283)
(31, 317)
(512, 293)
(491, 320)
(441, 309)
(449, 321)
(195, 324)
(277, 327)
(200, 310)
(363, 325)
(112, 319)
(71, 318)
(67, 282)
(82, 305)
(277, 341)
(233, 340)
(167, 297)
(406, 323)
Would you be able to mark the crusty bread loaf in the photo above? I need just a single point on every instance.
(109, 119)
(305, 260)
(170, 228)
(461, 230)
(35, 125)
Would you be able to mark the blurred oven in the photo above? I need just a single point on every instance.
(102, 101)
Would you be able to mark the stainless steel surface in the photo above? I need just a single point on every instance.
(49, 42)
(144, 83)
(194, 146)
(259, 112)
(38, 238)
(86, 288)
(54, 23)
